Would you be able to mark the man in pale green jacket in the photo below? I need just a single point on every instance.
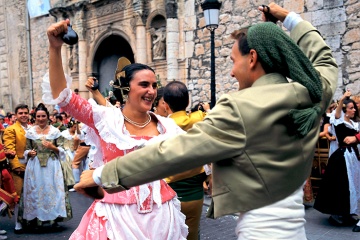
(260, 139)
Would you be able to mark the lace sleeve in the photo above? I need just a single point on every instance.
(336, 121)
(80, 109)
(47, 96)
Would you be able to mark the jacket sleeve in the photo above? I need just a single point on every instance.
(315, 48)
(10, 144)
(220, 136)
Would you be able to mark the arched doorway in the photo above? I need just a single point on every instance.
(106, 57)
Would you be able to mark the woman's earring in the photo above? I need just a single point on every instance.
(346, 115)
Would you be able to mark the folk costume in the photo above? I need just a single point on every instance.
(148, 211)
(339, 191)
(15, 140)
(70, 145)
(45, 197)
(259, 164)
(189, 184)
(8, 194)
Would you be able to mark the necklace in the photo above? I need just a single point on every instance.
(140, 125)
(42, 129)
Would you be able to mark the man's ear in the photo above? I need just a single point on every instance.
(253, 58)
(167, 108)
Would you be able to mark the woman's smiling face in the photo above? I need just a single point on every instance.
(142, 90)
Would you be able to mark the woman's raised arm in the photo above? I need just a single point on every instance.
(56, 72)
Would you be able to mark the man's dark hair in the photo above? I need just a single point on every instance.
(58, 116)
(21, 106)
(240, 36)
(243, 46)
(176, 95)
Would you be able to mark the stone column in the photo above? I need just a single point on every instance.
(80, 27)
(172, 41)
(172, 48)
(82, 69)
(141, 51)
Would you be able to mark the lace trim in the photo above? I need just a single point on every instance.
(108, 121)
(64, 97)
(53, 133)
(95, 154)
(337, 121)
(66, 134)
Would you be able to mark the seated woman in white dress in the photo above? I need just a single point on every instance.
(44, 197)
(149, 211)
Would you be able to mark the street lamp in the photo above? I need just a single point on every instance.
(211, 14)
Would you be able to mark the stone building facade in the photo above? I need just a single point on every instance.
(168, 35)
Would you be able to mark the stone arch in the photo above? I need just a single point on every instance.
(108, 48)
(156, 32)
(158, 12)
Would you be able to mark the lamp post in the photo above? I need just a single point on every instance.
(211, 14)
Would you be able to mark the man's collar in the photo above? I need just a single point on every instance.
(271, 78)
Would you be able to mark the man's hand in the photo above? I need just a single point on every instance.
(88, 187)
(275, 10)
(10, 154)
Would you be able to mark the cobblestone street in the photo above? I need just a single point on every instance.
(317, 226)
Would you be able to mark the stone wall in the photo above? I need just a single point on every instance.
(4, 80)
(15, 86)
(338, 21)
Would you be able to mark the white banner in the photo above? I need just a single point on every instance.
(38, 8)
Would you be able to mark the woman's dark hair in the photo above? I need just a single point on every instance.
(160, 94)
(41, 107)
(71, 124)
(346, 102)
(130, 70)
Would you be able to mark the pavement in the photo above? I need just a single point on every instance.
(223, 228)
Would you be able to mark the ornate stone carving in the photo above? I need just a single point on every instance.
(159, 43)
(138, 6)
(171, 9)
(74, 58)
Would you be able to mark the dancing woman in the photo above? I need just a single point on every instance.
(339, 192)
(149, 211)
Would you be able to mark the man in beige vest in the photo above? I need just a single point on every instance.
(260, 139)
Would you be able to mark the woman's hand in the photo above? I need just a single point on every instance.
(331, 138)
(350, 140)
(32, 153)
(56, 31)
(346, 95)
(90, 83)
(48, 145)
